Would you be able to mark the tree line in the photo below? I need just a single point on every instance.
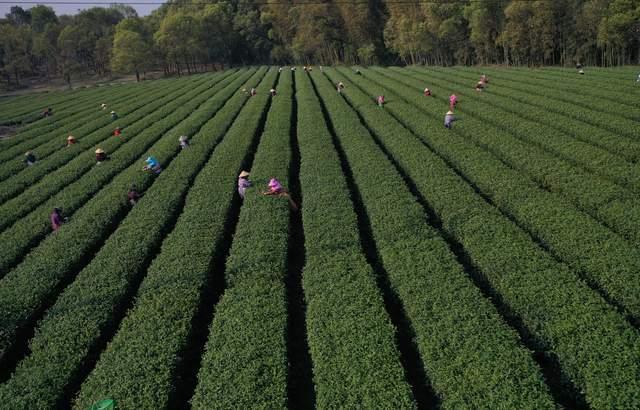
(194, 35)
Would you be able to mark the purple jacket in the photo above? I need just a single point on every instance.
(243, 184)
(56, 221)
(448, 120)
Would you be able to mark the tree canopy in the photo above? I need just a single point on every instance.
(192, 35)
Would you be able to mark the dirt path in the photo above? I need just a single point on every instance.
(7, 132)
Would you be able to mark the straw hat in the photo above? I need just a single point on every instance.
(244, 174)
(27, 153)
(113, 112)
(99, 151)
(70, 137)
(449, 112)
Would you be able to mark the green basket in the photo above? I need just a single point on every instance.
(106, 404)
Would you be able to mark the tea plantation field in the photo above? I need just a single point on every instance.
(492, 265)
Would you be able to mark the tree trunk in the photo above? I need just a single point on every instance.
(137, 76)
